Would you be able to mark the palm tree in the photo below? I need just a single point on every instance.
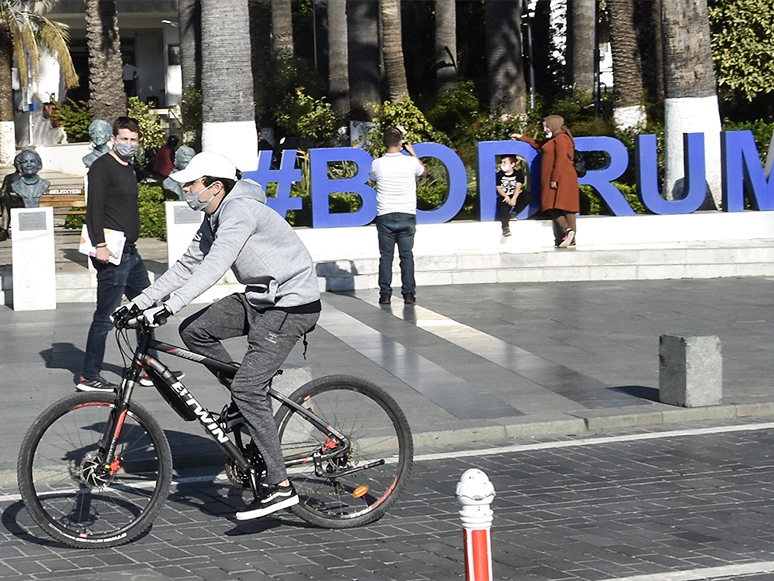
(282, 28)
(338, 57)
(107, 99)
(691, 103)
(507, 89)
(189, 18)
(364, 78)
(627, 65)
(24, 32)
(228, 111)
(260, 48)
(445, 45)
(392, 50)
(580, 49)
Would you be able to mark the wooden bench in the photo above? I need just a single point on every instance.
(65, 204)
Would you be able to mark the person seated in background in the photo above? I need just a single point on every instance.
(165, 158)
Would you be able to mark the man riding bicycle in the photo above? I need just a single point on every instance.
(281, 302)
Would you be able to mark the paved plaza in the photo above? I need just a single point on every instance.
(474, 367)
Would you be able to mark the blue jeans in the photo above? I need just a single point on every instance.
(396, 228)
(129, 278)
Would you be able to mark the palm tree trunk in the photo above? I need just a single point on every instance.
(446, 45)
(7, 128)
(580, 49)
(282, 26)
(189, 17)
(507, 89)
(392, 50)
(629, 110)
(260, 49)
(364, 78)
(691, 103)
(338, 57)
(107, 99)
(542, 44)
(228, 112)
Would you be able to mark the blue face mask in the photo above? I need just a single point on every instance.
(195, 203)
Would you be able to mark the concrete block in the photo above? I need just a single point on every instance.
(690, 371)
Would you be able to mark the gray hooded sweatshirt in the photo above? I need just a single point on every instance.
(255, 242)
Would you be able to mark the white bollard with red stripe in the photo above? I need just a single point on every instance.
(475, 493)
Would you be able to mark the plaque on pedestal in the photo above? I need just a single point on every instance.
(182, 224)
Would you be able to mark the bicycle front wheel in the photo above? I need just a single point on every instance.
(78, 495)
(358, 485)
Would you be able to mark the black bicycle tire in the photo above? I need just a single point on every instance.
(403, 435)
(30, 495)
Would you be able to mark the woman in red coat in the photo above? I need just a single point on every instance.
(559, 194)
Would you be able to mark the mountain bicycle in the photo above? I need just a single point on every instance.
(94, 469)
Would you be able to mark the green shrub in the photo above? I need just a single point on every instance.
(455, 110)
(761, 132)
(73, 117)
(304, 116)
(152, 212)
(75, 221)
(152, 132)
(407, 115)
(591, 204)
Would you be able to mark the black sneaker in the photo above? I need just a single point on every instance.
(506, 232)
(384, 299)
(409, 298)
(146, 381)
(272, 499)
(231, 417)
(96, 384)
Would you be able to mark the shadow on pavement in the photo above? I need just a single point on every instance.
(68, 356)
(639, 391)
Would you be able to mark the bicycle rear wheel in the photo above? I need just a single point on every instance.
(359, 485)
(78, 496)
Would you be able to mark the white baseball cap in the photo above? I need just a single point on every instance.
(206, 163)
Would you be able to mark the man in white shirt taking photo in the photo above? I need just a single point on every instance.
(396, 212)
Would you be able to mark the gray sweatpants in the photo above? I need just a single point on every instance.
(271, 336)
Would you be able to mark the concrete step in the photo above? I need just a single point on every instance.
(701, 260)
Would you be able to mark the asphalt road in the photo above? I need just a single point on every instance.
(663, 504)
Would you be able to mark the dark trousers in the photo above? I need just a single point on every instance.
(271, 335)
(396, 228)
(505, 210)
(129, 278)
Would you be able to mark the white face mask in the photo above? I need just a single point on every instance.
(506, 168)
(193, 200)
(549, 134)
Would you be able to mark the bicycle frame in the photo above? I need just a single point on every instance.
(185, 404)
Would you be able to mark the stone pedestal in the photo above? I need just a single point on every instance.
(182, 224)
(690, 371)
(34, 263)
